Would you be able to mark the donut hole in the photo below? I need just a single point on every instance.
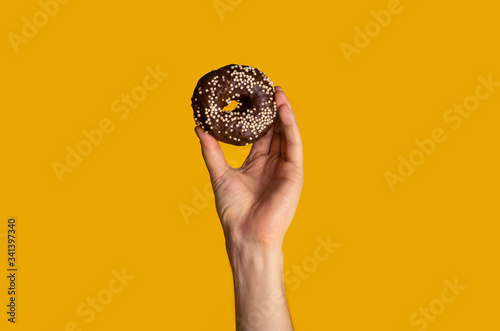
(232, 106)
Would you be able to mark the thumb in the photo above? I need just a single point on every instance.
(212, 154)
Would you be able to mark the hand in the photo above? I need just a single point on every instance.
(256, 203)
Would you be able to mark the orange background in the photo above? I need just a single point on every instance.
(122, 206)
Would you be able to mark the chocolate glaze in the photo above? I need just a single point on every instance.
(251, 119)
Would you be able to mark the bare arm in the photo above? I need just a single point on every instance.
(256, 204)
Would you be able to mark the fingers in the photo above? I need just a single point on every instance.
(272, 143)
(283, 145)
(284, 137)
(212, 154)
(276, 141)
(280, 97)
(262, 146)
(290, 129)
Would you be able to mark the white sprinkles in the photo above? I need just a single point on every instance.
(253, 116)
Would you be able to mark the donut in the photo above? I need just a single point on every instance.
(250, 120)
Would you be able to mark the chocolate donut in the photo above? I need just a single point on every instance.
(250, 120)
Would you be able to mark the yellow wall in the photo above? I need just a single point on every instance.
(402, 234)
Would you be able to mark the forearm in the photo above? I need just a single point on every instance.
(259, 288)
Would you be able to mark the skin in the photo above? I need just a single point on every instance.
(256, 204)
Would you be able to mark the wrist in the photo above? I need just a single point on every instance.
(244, 238)
(256, 252)
(259, 287)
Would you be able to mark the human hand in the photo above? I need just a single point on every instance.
(256, 202)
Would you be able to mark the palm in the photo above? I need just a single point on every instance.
(259, 198)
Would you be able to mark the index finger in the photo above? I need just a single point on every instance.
(290, 128)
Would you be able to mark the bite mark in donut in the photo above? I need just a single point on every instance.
(250, 120)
